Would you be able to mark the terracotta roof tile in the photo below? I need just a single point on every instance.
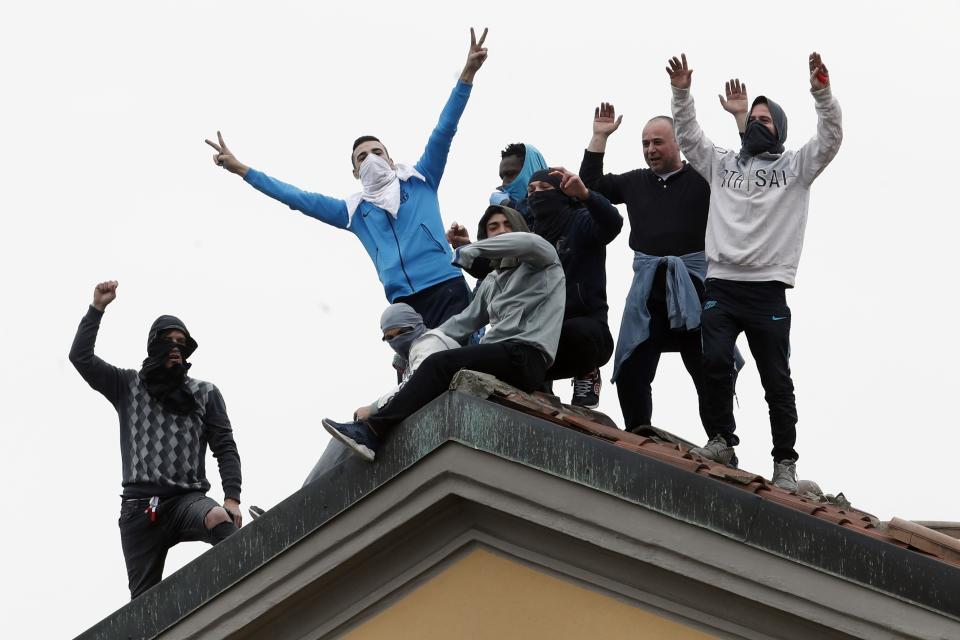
(900, 533)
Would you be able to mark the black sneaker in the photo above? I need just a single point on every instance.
(586, 390)
(357, 435)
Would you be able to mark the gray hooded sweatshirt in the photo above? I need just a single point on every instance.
(758, 204)
(523, 300)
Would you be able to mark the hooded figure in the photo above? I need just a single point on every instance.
(482, 266)
(167, 385)
(400, 315)
(532, 162)
(757, 138)
(553, 210)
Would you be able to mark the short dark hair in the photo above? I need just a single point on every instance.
(514, 149)
(359, 141)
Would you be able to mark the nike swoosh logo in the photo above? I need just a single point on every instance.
(778, 317)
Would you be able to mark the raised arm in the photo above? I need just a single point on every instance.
(697, 148)
(333, 211)
(815, 155)
(100, 375)
(736, 102)
(525, 247)
(605, 122)
(434, 159)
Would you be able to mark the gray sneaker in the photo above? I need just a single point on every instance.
(717, 450)
(785, 475)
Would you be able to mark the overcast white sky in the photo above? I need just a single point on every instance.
(105, 176)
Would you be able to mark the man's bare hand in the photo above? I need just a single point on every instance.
(458, 236)
(104, 293)
(232, 507)
(819, 76)
(475, 57)
(679, 72)
(736, 102)
(605, 120)
(225, 158)
(570, 183)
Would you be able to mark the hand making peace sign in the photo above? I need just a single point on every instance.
(475, 57)
(225, 158)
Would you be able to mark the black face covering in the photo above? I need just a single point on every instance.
(553, 210)
(167, 384)
(552, 214)
(758, 139)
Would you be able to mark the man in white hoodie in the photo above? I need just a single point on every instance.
(759, 199)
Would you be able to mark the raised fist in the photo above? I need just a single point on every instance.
(104, 293)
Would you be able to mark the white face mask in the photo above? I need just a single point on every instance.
(380, 185)
(375, 173)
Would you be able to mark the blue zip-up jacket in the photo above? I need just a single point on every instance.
(410, 252)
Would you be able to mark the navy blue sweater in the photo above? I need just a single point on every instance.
(583, 254)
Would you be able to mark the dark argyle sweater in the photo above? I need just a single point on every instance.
(163, 452)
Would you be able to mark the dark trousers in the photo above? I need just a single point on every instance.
(145, 542)
(515, 363)
(441, 301)
(637, 372)
(758, 309)
(585, 345)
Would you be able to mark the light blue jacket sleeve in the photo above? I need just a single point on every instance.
(333, 211)
(434, 158)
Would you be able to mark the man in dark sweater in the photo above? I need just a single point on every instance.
(579, 223)
(667, 205)
(166, 421)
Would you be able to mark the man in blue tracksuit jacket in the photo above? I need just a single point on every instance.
(396, 216)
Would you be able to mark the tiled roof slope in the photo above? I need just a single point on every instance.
(665, 447)
(582, 448)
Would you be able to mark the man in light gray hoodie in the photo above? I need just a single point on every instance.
(520, 301)
(759, 199)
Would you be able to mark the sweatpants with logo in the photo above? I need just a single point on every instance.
(759, 310)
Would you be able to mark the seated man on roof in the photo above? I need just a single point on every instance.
(396, 215)
(521, 299)
(403, 329)
(579, 224)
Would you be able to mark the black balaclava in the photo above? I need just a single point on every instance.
(516, 223)
(553, 210)
(757, 138)
(167, 385)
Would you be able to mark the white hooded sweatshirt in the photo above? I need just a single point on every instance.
(758, 204)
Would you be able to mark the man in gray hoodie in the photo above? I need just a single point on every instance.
(759, 199)
(520, 301)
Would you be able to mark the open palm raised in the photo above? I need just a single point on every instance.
(679, 72)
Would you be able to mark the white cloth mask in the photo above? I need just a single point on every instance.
(381, 185)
